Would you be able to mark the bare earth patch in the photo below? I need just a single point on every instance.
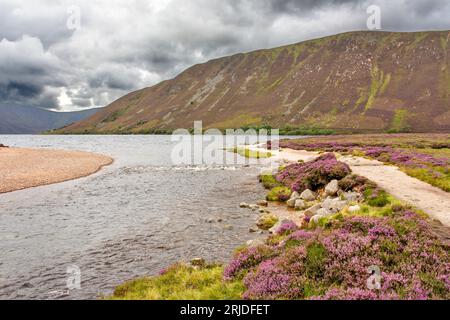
(26, 168)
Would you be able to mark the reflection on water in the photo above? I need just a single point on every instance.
(131, 219)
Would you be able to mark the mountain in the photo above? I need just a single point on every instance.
(356, 81)
(22, 120)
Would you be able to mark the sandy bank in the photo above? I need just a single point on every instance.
(26, 168)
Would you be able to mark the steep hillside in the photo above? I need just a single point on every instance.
(358, 81)
(20, 120)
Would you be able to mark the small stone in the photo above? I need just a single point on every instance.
(198, 262)
(332, 188)
(354, 209)
(244, 205)
(291, 203)
(254, 207)
(252, 230)
(228, 227)
(308, 195)
(263, 203)
(300, 204)
(311, 211)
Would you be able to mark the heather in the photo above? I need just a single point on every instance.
(333, 262)
(314, 174)
(426, 157)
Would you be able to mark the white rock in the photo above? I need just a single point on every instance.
(354, 209)
(311, 211)
(300, 204)
(351, 196)
(316, 218)
(244, 205)
(308, 195)
(324, 212)
(332, 188)
(291, 203)
(295, 195)
(334, 205)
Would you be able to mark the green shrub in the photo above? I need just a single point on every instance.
(269, 181)
(279, 194)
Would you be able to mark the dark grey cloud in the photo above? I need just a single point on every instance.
(127, 45)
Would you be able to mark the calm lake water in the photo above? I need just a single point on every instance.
(131, 219)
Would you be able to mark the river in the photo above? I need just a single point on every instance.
(134, 218)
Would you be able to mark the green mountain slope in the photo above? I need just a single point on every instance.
(356, 81)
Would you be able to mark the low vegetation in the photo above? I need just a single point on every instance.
(423, 156)
(182, 281)
(252, 154)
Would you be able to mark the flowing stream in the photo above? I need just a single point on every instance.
(131, 219)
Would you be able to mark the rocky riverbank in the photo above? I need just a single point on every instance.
(332, 235)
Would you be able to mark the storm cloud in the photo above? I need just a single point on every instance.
(126, 45)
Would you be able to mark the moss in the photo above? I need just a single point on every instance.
(267, 221)
(400, 122)
(279, 194)
(438, 177)
(376, 198)
(182, 282)
(269, 181)
(376, 85)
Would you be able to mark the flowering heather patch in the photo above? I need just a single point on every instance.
(425, 157)
(287, 227)
(314, 174)
(246, 259)
(333, 263)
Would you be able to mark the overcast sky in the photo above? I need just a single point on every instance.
(47, 61)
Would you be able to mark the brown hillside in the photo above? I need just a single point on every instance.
(372, 81)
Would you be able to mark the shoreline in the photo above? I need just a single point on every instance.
(24, 168)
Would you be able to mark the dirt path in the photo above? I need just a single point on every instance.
(26, 168)
(434, 201)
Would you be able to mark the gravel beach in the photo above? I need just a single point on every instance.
(25, 168)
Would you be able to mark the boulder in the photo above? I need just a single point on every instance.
(351, 196)
(316, 218)
(294, 197)
(334, 205)
(308, 195)
(311, 211)
(291, 203)
(300, 204)
(332, 188)
(324, 212)
(254, 207)
(354, 209)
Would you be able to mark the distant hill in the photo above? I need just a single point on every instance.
(356, 81)
(21, 120)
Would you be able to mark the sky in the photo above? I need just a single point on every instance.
(70, 55)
